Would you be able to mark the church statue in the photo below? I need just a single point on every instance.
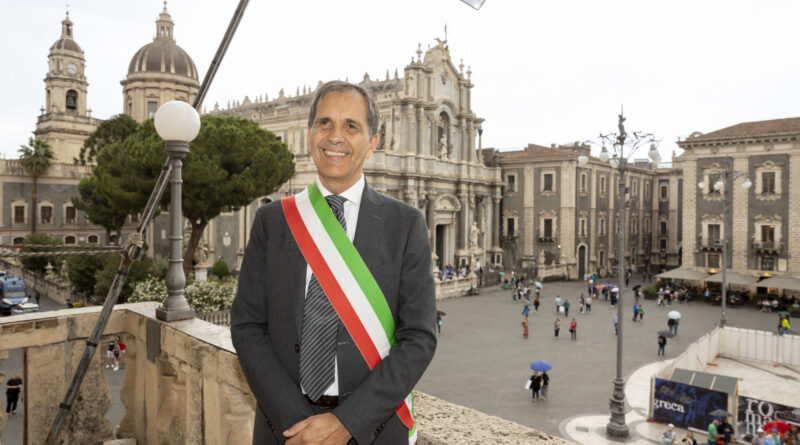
(200, 254)
(474, 233)
(444, 153)
(64, 271)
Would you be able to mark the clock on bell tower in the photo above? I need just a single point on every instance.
(65, 121)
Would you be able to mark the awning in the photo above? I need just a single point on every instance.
(733, 278)
(683, 274)
(780, 283)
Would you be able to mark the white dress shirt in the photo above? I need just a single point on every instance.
(351, 206)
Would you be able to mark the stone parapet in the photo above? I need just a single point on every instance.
(182, 384)
(457, 287)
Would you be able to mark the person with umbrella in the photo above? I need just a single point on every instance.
(536, 302)
(439, 315)
(542, 366)
(713, 434)
(726, 430)
(536, 385)
(636, 294)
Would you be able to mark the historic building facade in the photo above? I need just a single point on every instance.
(429, 154)
(560, 219)
(763, 221)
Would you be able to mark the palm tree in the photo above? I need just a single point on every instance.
(35, 158)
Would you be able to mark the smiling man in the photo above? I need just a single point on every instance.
(334, 318)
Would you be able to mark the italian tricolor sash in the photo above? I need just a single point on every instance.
(346, 280)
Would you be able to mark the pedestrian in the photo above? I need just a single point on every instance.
(675, 325)
(726, 431)
(110, 362)
(566, 307)
(627, 279)
(662, 343)
(525, 326)
(713, 435)
(297, 367)
(774, 438)
(439, 322)
(689, 439)
(671, 326)
(13, 389)
(38, 297)
(514, 295)
(583, 303)
(122, 350)
(116, 355)
(635, 311)
(557, 326)
(545, 385)
(641, 312)
(615, 317)
(668, 437)
(573, 329)
(785, 328)
(527, 293)
(558, 304)
(536, 385)
(707, 295)
(536, 303)
(589, 303)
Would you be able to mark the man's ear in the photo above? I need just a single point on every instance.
(373, 143)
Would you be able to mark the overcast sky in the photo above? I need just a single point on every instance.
(544, 71)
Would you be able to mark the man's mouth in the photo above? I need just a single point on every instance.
(333, 153)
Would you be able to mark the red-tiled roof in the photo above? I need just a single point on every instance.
(750, 130)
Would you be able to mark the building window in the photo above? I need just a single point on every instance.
(548, 228)
(714, 231)
(112, 239)
(19, 214)
(72, 100)
(647, 186)
(46, 214)
(17, 241)
(152, 107)
(583, 227)
(70, 215)
(602, 185)
(634, 187)
(713, 260)
(583, 182)
(647, 225)
(93, 239)
(135, 218)
(767, 263)
(69, 239)
(634, 226)
(511, 183)
(510, 227)
(768, 233)
(130, 108)
(664, 193)
(663, 244)
(663, 231)
(602, 258)
(768, 183)
(712, 182)
(602, 227)
(547, 182)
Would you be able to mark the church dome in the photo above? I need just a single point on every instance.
(163, 55)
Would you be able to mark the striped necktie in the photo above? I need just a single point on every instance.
(318, 350)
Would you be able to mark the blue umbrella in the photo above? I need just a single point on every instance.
(541, 366)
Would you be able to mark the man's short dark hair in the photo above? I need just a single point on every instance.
(338, 85)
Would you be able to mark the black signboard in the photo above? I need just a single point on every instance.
(755, 413)
(686, 405)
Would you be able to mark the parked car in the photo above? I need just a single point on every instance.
(24, 308)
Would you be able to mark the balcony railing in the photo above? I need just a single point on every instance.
(713, 245)
(767, 247)
(182, 384)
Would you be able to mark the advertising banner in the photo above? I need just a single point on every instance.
(686, 405)
(755, 413)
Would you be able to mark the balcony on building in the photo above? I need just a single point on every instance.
(768, 247)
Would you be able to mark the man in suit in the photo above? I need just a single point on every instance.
(275, 286)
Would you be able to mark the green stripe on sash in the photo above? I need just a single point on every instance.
(353, 260)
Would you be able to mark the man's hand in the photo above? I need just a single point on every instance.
(322, 429)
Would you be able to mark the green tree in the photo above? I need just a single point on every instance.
(81, 270)
(231, 162)
(139, 271)
(100, 210)
(220, 269)
(38, 263)
(35, 158)
(116, 129)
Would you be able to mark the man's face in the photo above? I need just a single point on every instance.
(339, 139)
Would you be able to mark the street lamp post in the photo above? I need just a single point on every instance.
(177, 123)
(619, 142)
(726, 177)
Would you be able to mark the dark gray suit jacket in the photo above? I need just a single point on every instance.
(267, 322)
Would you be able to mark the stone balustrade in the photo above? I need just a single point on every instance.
(182, 384)
(457, 287)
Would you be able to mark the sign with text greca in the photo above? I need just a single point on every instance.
(685, 405)
(755, 413)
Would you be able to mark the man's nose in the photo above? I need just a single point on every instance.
(336, 135)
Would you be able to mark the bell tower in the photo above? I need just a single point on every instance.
(66, 119)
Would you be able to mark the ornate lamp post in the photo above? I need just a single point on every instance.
(623, 146)
(726, 177)
(177, 123)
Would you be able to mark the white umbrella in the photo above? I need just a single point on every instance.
(675, 315)
(538, 284)
(615, 289)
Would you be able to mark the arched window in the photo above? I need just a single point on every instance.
(72, 100)
(18, 240)
(93, 239)
(69, 239)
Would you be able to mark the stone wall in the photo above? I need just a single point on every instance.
(182, 384)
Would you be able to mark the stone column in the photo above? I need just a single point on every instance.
(430, 216)
(462, 224)
(740, 221)
(411, 198)
(470, 137)
(690, 204)
(793, 243)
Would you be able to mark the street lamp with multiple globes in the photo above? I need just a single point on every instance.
(726, 177)
(177, 123)
(618, 159)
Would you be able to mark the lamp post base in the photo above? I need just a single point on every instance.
(165, 314)
(616, 426)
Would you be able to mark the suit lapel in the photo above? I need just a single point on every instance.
(370, 223)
